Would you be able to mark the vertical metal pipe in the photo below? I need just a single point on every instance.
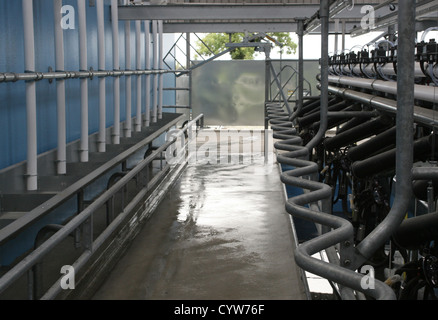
(116, 66)
(128, 83)
(155, 85)
(138, 60)
(404, 135)
(324, 15)
(147, 40)
(268, 65)
(300, 33)
(160, 66)
(29, 64)
(343, 34)
(61, 166)
(188, 66)
(102, 82)
(83, 61)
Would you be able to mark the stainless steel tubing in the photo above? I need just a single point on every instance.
(426, 93)
(338, 231)
(83, 61)
(300, 69)
(76, 222)
(147, 49)
(404, 137)
(422, 115)
(60, 75)
(102, 81)
(61, 166)
(128, 82)
(116, 67)
(295, 155)
(324, 16)
(29, 61)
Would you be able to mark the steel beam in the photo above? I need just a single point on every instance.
(232, 26)
(216, 12)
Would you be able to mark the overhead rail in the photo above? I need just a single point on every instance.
(90, 74)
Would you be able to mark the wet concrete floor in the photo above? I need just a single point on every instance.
(221, 233)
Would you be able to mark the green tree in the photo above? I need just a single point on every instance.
(214, 43)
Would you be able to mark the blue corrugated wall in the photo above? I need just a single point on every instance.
(12, 95)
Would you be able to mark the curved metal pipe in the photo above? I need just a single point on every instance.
(295, 155)
(324, 16)
(337, 231)
(404, 138)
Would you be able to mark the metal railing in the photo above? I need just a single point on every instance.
(83, 221)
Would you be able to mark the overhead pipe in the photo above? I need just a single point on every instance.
(61, 160)
(83, 61)
(147, 43)
(160, 66)
(116, 66)
(128, 82)
(426, 93)
(89, 74)
(138, 60)
(421, 115)
(404, 136)
(101, 144)
(29, 65)
(155, 67)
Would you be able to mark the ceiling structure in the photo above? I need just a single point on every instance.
(270, 15)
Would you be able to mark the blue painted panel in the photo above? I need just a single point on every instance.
(12, 95)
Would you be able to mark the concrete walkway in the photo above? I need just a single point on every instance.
(222, 233)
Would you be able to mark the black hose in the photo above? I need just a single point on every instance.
(363, 131)
(386, 160)
(417, 231)
(372, 146)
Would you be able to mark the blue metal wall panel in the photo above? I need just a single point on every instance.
(12, 95)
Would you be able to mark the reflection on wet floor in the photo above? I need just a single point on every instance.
(221, 233)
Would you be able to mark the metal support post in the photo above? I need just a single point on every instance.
(83, 61)
(324, 16)
(61, 166)
(102, 80)
(404, 135)
(116, 66)
(147, 40)
(29, 57)
(128, 82)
